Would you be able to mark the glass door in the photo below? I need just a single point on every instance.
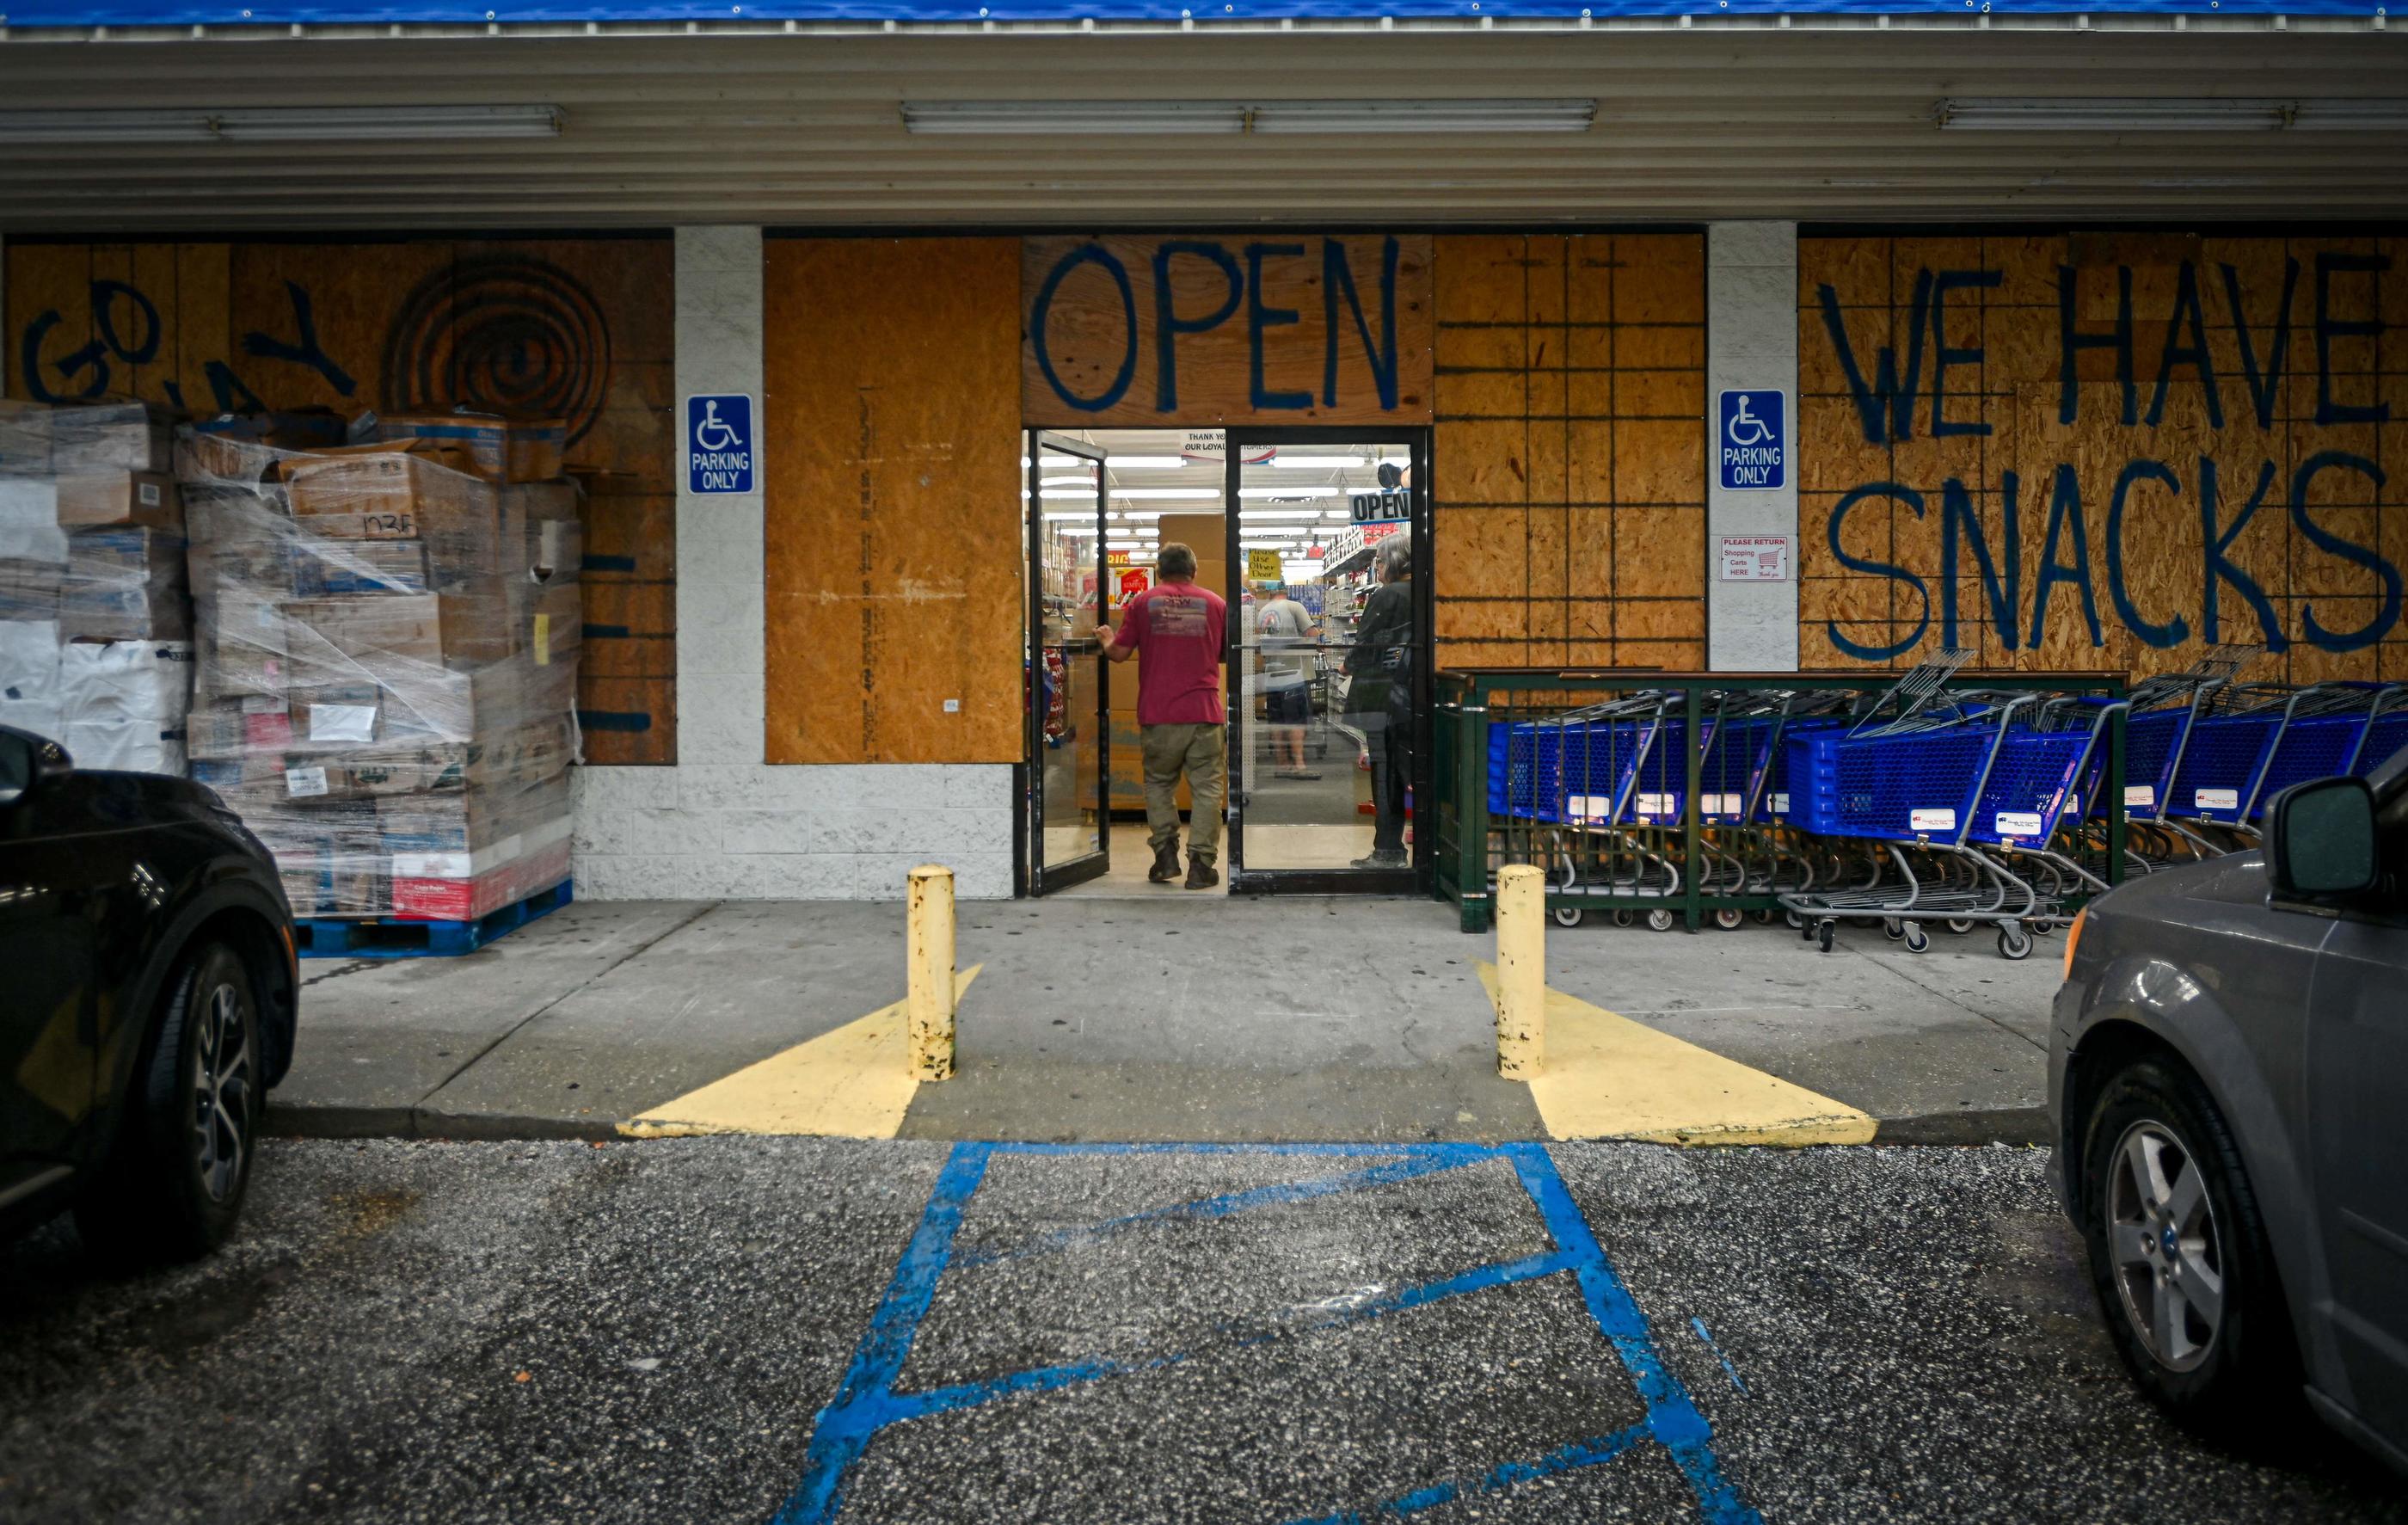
(1328, 677)
(1069, 702)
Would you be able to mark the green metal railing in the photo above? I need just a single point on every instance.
(1472, 845)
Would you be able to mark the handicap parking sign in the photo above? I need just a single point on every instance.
(1752, 445)
(719, 447)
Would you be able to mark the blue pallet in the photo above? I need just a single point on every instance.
(402, 936)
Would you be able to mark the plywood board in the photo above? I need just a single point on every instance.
(574, 327)
(1139, 330)
(1570, 464)
(2174, 404)
(894, 519)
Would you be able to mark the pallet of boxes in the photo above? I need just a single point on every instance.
(388, 643)
(96, 622)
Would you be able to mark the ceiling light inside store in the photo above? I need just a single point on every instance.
(1193, 495)
(2169, 114)
(279, 124)
(1148, 463)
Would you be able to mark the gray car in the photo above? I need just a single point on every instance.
(2228, 1078)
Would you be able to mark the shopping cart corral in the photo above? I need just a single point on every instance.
(1684, 798)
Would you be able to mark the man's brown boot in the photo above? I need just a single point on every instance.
(1200, 874)
(1166, 863)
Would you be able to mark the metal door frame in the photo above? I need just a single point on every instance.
(1416, 877)
(1038, 877)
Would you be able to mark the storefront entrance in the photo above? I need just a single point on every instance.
(1327, 536)
(1300, 530)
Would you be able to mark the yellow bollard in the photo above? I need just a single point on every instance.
(1521, 971)
(928, 993)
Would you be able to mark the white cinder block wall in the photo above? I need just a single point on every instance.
(1751, 341)
(722, 824)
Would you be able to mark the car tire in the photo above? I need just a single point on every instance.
(175, 1179)
(2224, 1375)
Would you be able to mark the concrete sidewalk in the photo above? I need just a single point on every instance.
(1186, 1019)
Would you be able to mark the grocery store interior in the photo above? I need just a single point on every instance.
(1321, 713)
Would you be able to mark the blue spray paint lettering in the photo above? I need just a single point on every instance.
(1913, 501)
(1259, 317)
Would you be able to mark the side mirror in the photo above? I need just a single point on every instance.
(2320, 839)
(27, 761)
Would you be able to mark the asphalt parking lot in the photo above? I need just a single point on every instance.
(801, 1329)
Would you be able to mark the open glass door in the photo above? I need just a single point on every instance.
(1328, 676)
(1069, 703)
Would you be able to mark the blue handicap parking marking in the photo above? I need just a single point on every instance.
(721, 454)
(866, 1402)
(1752, 446)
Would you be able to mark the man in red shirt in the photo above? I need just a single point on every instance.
(1177, 628)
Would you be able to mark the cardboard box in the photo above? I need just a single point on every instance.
(330, 568)
(322, 718)
(391, 637)
(501, 448)
(237, 569)
(463, 886)
(244, 646)
(121, 497)
(125, 584)
(545, 522)
(556, 625)
(24, 438)
(113, 438)
(146, 611)
(29, 590)
(244, 447)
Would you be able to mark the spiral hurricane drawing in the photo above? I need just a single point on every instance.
(500, 334)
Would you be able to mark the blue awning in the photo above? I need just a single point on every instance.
(138, 13)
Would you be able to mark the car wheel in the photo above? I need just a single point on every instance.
(174, 1180)
(2178, 1253)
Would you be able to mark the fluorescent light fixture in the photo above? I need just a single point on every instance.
(279, 124)
(1425, 116)
(1317, 463)
(1148, 463)
(2170, 114)
(1087, 483)
(1293, 495)
(2388, 114)
(1192, 495)
(1118, 119)
(1104, 118)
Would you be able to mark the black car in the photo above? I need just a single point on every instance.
(148, 994)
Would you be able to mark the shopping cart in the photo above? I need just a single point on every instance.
(2386, 731)
(1923, 785)
(1585, 794)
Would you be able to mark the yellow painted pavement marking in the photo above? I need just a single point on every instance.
(1607, 1077)
(854, 1082)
